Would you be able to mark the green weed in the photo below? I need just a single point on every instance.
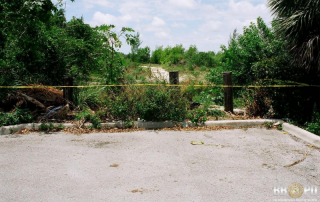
(269, 125)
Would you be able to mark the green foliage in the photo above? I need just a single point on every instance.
(61, 127)
(239, 102)
(50, 127)
(314, 125)
(122, 107)
(314, 128)
(198, 116)
(144, 55)
(279, 127)
(93, 118)
(96, 121)
(177, 55)
(260, 57)
(17, 117)
(172, 55)
(44, 127)
(298, 23)
(113, 62)
(85, 114)
(135, 47)
(256, 54)
(269, 125)
(162, 105)
(38, 45)
(216, 113)
(156, 103)
(91, 98)
(156, 55)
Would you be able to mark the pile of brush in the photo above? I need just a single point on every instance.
(43, 102)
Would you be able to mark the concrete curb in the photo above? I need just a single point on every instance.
(302, 134)
(6, 130)
(294, 130)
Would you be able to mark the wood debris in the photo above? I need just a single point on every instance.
(297, 162)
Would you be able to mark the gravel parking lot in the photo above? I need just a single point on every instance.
(231, 165)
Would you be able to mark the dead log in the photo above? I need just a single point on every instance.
(34, 101)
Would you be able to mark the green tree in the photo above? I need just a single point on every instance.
(114, 61)
(256, 54)
(156, 55)
(172, 55)
(135, 46)
(298, 22)
(143, 55)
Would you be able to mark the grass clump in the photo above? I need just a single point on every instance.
(50, 127)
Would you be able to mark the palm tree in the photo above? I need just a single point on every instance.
(298, 21)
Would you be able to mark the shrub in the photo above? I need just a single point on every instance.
(198, 116)
(313, 128)
(160, 104)
(314, 125)
(44, 127)
(89, 98)
(153, 103)
(17, 117)
(96, 121)
(258, 102)
(93, 118)
(216, 113)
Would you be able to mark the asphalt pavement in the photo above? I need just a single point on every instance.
(231, 165)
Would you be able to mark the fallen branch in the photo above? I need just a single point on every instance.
(34, 101)
(297, 162)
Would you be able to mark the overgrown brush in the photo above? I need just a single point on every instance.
(153, 103)
(92, 98)
(17, 117)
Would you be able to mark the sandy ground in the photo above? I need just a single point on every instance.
(232, 165)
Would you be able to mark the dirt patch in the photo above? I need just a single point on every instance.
(100, 144)
(80, 131)
(142, 191)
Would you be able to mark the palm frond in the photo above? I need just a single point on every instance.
(298, 22)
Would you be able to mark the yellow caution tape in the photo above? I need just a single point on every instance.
(168, 85)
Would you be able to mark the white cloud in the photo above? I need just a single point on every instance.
(183, 3)
(139, 9)
(162, 34)
(207, 24)
(157, 22)
(179, 25)
(101, 3)
(100, 18)
(211, 26)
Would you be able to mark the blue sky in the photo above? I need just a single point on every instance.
(204, 23)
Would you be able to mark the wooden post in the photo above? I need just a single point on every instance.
(228, 92)
(174, 77)
(68, 92)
